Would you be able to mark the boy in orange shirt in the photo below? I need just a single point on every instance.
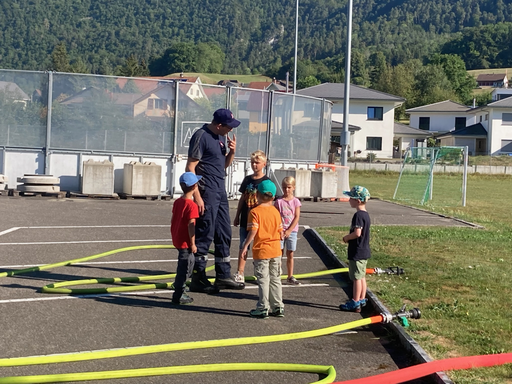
(265, 228)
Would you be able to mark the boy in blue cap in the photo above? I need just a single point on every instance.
(183, 227)
(358, 241)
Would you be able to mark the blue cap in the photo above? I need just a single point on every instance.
(267, 186)
(189, 179)
(359, 193)
(225, 117)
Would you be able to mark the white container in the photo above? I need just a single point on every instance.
(302, 180)
(142, 179)
(98, 177)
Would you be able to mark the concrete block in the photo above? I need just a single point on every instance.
(142, 179)
(324, 184)
(302, 180)
(98, 177)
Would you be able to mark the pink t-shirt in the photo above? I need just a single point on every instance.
(287, 210)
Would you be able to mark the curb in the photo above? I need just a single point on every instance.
(419, 354)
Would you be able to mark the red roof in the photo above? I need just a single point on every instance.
(259, 84)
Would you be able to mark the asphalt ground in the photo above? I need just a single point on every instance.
(36, 231)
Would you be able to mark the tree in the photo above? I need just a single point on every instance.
(132, 68)
(60, 59)
(306, 82)
(455, 70)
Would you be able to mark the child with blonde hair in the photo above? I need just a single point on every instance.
(248, 201)
(289, 208)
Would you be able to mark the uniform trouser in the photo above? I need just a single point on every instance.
(268, 274)
(214, 224)
(183, 272)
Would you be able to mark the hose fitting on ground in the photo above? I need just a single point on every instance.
(401, 316)
(389, 271)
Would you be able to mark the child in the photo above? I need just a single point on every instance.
(183, 225)
(289, 208)
(247, 202)
(265, 229)
(358, 247)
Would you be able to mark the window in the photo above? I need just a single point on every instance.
(506, 119)
(460, 122)
(425, 123)
(157, 103)
(374, 143)
(374, 113)
(480, 118)
(506, 146)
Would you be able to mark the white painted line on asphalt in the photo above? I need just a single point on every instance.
(118, 262)
(87, 242)
(10, 230)
(159, 292)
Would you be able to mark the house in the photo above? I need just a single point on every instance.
(274, 85)
(12, 91)
(501, 93)
(492, 80)
(405, 137)
(498, 124)
(473, 136)
(443, 116)
(371, 110)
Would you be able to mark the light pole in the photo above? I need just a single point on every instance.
(296, 43)
(345, 138)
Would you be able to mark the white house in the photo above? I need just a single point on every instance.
(443, 116)
(408, 137)
(371, 110)
(485, 130)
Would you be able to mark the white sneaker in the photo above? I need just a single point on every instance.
(239, 278)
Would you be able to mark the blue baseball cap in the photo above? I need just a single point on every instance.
(225, 117)
(189, 179)
(267, 186)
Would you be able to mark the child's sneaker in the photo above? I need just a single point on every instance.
(363, 302)
(351, 306)
(259, 313)
(184, 300)
(277, 312)
(239, 277)
(292, 280)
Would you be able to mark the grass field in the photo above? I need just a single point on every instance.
(460, 278)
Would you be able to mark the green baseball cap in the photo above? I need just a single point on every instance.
(359, 193)
(267, 186)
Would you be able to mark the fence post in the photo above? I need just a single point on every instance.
(48, 125)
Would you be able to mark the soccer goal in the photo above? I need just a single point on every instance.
(433, 175)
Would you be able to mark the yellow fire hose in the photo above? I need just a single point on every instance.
(327, 371)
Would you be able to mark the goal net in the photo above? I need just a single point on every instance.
(435, 176)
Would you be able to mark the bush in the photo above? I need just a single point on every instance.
(371, 157)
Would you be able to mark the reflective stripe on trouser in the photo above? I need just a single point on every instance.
(184, 270)
(268, 274)
(214, 225)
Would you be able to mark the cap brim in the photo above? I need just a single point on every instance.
(233, 124)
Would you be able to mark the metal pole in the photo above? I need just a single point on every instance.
(345, 138)
(48, 125)
(465, 176)
(296, 43)
(269, 129)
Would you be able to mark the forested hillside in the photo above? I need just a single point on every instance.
(250, 35)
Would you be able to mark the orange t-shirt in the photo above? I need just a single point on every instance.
(266, 220)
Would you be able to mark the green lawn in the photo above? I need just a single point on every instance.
(460, 278)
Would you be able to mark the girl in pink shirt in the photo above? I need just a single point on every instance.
(289, 208)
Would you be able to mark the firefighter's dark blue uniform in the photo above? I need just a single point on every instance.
(210, 149)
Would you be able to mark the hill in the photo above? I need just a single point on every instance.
(254, 35)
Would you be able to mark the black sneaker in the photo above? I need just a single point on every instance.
(277, 312)
(259, 313)
(228, 283)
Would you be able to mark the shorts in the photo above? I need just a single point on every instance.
(357, 269)
(243, 235)
(290, 242)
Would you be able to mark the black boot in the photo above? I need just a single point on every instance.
(200, 283)
(228, 283)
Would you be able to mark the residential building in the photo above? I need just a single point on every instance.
(443, 116)
(498, 80)
(371, 110)
(408, 137)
